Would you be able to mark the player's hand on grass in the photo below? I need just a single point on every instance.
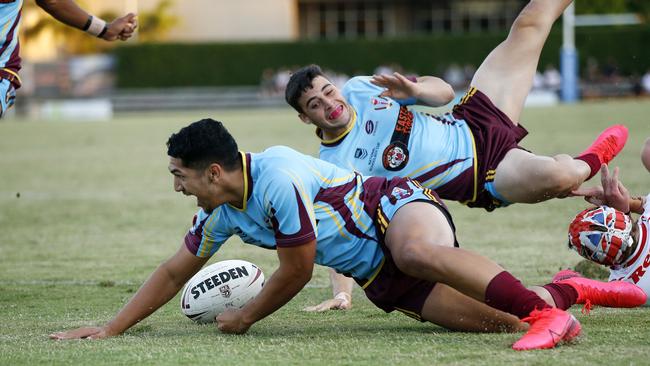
(82, 333)
(342, 301)
(121, 28)
(397, 86)
(230, 321)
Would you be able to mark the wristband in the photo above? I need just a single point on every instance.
(88, 22)
(97, 27)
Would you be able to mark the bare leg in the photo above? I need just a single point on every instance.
(420, 240)
(506, 75)
(523, 177)
(451, 309)
(544, 294)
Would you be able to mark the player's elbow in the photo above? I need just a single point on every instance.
(447, 94)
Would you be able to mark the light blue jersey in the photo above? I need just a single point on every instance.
(388, 139)
(291, 199)
(10, 14)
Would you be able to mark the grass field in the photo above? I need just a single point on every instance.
(87, 211)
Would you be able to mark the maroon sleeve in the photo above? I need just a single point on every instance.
(194, 236)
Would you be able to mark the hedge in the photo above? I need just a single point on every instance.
(230, 64)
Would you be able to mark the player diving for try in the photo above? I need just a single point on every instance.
(394, 237)
(472, 154)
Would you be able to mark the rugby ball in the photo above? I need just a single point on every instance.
(220, 286)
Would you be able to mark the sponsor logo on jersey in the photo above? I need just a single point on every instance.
(360, 153)
(380, 103)
(370, 127)
(395, 156)
(373, 157)
(220, 278)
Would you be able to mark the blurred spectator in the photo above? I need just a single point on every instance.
(645, 82)
(611, 70)
(538, 81)
(388, 69)
(454, 76)
(552, 78)
(468, 72)
(267, 82)
(383, 70)
(593, 70)
(337, 78)
(281, 79)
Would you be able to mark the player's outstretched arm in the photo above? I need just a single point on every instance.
(342, 291)
(296, 267)
(427, 90)
(162, 286)
(69, 13)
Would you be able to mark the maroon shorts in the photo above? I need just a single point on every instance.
(391, 289)
(494, 135)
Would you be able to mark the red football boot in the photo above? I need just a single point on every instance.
(613, 294)
(608, 144)
(548, 327)
(564, 274)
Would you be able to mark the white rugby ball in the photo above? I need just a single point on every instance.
(220, 286)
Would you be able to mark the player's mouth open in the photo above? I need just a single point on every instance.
(337, 112)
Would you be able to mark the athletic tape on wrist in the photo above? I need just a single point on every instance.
(97, 27)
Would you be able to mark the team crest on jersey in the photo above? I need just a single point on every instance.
(370, 127)
(225, 291)
(401, 193)
(380, 103)
(395, 157)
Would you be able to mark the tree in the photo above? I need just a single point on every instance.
(153, 25)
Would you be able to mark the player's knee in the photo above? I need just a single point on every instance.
(534, 16)
(559, 180)
(418, 256)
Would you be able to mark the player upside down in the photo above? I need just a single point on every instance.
(472, 154)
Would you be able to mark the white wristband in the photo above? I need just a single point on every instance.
(96, 27)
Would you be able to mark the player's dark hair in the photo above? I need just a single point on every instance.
(299, 82)
(203, 143)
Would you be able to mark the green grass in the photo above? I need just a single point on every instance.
(87, 211)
